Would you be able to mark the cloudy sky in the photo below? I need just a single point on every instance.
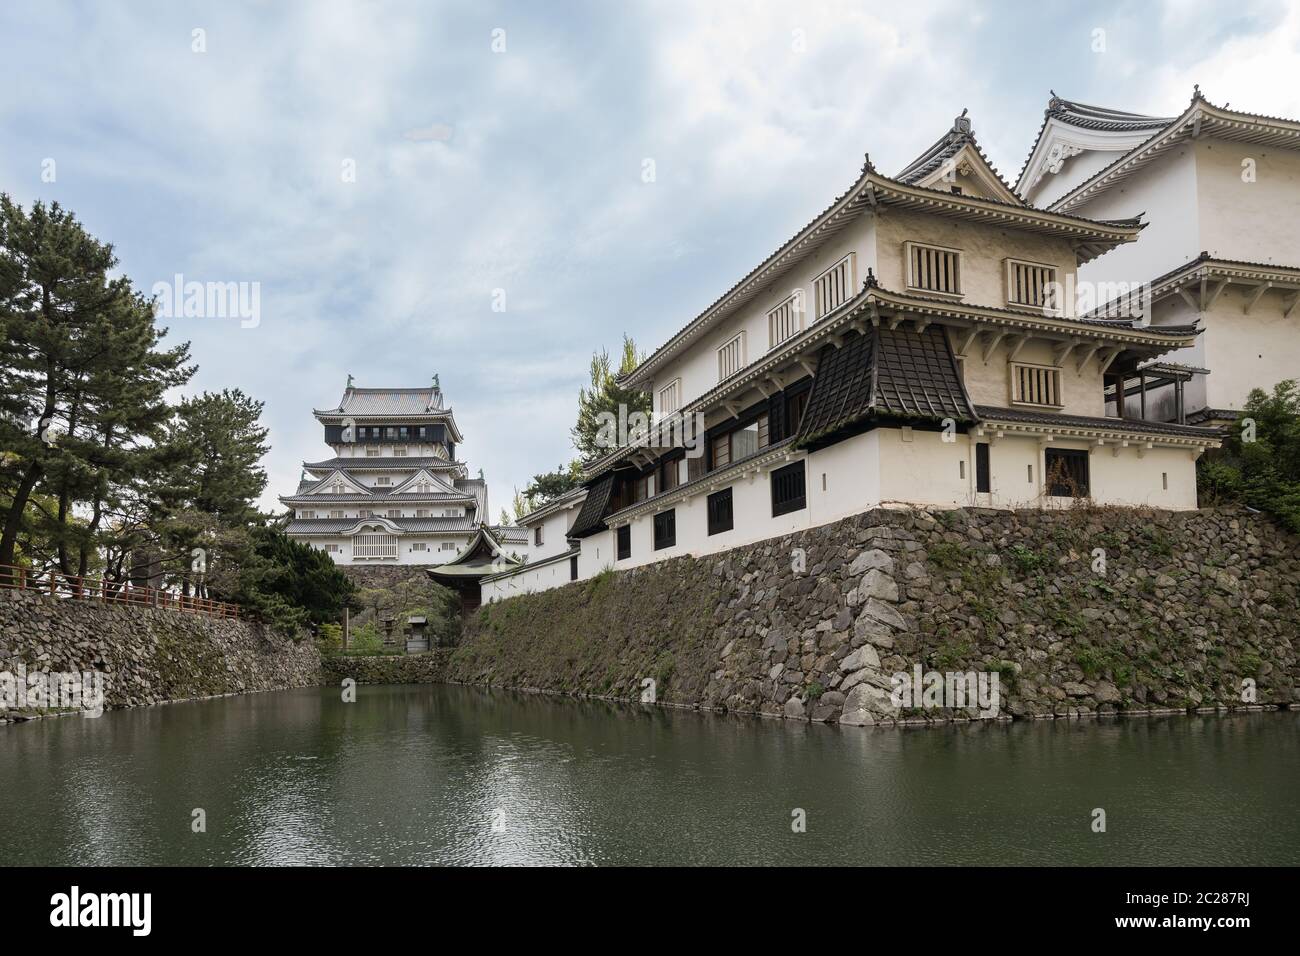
(380, 169)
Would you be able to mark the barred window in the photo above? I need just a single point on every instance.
(833, 287)
(788, 492)
(786, 320)
(731, 356)
(933, 268)
(1036, 385)
(670, 397)
(1032, 284)
(374, 545)
(721, 517)
(665, 529)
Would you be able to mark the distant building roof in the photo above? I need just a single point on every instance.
(573, 496)
(409, 525)
(363, 463)
(389, 401)
(509, 534)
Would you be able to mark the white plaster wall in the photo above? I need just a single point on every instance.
(698, 367)
(984, 249)
(1165, 193)
(553, 575)
(405, 556)
(1127, 479)
(1248, 351)
(989, 383)
(1255, 221)
(882, 467)
(554, 528)
(843, 479)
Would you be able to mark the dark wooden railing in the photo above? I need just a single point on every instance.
(70, 586)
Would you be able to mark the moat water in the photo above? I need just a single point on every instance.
(453, 775)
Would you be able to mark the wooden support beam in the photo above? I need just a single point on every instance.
(1064, 349)
(1087, 357)
(1289, 305)
(922, 323)
(1110, 358)
(1206, 304)
(1015, 349)
(1256, 296)
(992, 345)
(1182, 291)
(970, 337)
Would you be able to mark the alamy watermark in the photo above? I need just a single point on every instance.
(955, 690)
(209, 300)
(638, 429)
(21, 689)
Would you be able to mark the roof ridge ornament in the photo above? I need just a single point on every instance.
(870, 282)
(961, 126)
(1196, 92)
(349, 380)
(867, 167)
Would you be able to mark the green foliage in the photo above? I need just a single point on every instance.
(949, 557)
(665, 667)
(1025, 560)
(950, 654)
(418, 596)
(290, 584)
(601, 580)
(329, 638)
(605, 395)
(551, 484)
(813, 692)
(1264, 473)
(365, 641)
(82, 386)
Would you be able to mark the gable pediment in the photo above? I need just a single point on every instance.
(339, 483)
(1060, 143)
(968, 169)
(424, 482)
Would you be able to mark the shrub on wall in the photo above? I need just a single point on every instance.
(1259, 464)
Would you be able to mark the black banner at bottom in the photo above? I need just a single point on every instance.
(335, 905)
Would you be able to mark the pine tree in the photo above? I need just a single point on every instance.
(81, 380)
(606, 395)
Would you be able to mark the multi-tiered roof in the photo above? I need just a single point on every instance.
(370, 430)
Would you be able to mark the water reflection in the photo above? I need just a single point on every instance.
(414, 775)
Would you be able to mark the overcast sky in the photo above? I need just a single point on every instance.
(522, 169)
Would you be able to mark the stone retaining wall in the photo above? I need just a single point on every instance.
(426, 668)
(149, 655)
(1077, 612)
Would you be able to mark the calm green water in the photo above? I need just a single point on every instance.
(420, 774)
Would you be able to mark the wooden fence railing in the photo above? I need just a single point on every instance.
(65, 586)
